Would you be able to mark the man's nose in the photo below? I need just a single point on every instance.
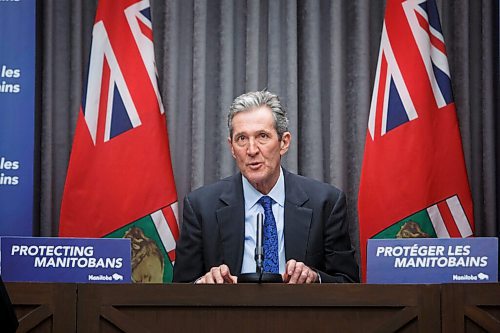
(253, 147)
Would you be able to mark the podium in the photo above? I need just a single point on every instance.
(256, 308)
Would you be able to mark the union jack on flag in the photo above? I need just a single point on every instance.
(397, 106)
(413, 179)
(110, 88)
(120, 181)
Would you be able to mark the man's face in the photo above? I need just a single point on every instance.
(256, 147)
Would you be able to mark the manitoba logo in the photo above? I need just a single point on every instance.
(99, 277)
(483, 276)
(117, 277)
(471, 277)
(102, 277)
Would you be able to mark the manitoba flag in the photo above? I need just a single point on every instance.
(120, 181)
(413, 180)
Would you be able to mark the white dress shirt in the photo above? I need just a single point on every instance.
(252, 208)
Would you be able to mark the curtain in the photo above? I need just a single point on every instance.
(318, 56)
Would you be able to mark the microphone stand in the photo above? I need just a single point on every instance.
(259, 276)
(259, 249)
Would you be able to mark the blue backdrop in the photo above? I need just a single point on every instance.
(17, 115)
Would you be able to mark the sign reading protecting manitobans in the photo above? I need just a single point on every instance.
(78, 260)
(432, 260)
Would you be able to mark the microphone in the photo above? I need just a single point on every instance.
(259, 249)
(259, 276)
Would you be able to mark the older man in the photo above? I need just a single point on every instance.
(306, 237)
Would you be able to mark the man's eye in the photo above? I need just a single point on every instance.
(241, 140)
(263, 137)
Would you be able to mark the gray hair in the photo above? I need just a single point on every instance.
(255, 99)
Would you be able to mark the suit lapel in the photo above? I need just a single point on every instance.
(231, 221)
(297, 219)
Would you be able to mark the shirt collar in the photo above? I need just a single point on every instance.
(277, 193)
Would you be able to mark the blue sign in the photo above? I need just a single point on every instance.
(432, 260)
(17, 116)
(79, 260)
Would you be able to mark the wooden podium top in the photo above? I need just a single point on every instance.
(256, 308)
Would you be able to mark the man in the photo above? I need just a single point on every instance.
(306, 235)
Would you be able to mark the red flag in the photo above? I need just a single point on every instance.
(120, 181)
(413, 180)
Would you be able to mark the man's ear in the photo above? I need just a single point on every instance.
(286, 139)
(230, 144)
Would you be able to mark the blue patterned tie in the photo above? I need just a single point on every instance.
(271, 261)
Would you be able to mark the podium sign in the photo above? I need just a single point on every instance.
(432, 260)
(78, 260)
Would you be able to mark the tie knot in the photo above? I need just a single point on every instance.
(266, 202)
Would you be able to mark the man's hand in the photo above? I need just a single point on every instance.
(217, 275)
(298, 272)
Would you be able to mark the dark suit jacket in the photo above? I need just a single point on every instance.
(316, 232)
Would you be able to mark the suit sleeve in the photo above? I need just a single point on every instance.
(340, 263)
(189, 250)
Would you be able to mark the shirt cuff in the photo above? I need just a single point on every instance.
(319, 276)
